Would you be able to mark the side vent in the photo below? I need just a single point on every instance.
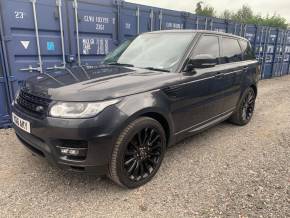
(172, 92)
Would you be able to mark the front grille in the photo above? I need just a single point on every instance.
(34, 105)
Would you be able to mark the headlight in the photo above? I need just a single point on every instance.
(79, 109)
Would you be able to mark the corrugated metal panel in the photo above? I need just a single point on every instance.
(190, 21)
(251, 33)
(169, 19)
(202, 23)
(218, 25)
(235, 28)
(92, 30)
(4, 104)
(135, 19)
(280, 55)
(287, 54)
(4, 90)
(268, 49)
(32, 31)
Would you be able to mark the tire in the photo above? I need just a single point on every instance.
(136, 142)
(245, 108)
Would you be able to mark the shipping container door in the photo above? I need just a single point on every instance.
(190, 21)
(4, 109)
(235, 28)
(33, 37)
(287, 55)
(279, 53)
(169, 19)
(202, 22)
(218, 25)
(93, 30)
(250, 33)
(128, 21)
(267, 49)
(258, 47)
(135, 19)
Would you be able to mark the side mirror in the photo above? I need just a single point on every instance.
(201, 61)
(189, 68)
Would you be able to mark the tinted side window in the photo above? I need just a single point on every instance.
(207, 45)
(231, 50)
(247, 50)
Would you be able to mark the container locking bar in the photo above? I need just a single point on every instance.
(63, 66)
(160, 19)
(37, 39)
(235, 31)
(152, 20)
(138, 20)
(241, 30)
(245, 30)
(260, 46)
(265, 52)
(75, 5)
(284, 44)
(30, 69)
(59, 5)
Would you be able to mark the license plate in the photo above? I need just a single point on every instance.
(21, 123)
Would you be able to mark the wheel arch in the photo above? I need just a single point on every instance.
(157, 114)
(254, 87)
(162, 120)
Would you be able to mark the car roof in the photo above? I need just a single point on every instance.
(197, 31)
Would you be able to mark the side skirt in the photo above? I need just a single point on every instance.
(202, 126)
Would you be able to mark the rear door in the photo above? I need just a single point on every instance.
(228, 84)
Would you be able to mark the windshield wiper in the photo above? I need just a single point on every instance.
(156, 69)
(120, 64)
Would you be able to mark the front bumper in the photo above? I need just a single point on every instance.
(48, 134)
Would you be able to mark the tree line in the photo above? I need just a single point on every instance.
(244, 15)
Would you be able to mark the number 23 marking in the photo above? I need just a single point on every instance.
(19, 14)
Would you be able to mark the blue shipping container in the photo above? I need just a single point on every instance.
(4, 104)
(4, 91)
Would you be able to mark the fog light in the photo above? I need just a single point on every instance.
(70, 151)
(73, 151)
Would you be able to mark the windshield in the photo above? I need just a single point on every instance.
(156, 51)
(113, 56)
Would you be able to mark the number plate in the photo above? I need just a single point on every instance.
(22, 124)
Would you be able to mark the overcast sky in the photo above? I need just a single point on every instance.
(263, 7)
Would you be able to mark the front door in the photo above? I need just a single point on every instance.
(192, 106)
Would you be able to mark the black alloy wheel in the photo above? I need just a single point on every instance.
(143, 154)
(245, 108)
(138, 153)
(248, 105)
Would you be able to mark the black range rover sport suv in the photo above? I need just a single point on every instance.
(119, 117)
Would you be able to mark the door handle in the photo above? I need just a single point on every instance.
(219, 75)
(245, 68)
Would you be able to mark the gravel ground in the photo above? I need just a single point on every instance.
(225, 171)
